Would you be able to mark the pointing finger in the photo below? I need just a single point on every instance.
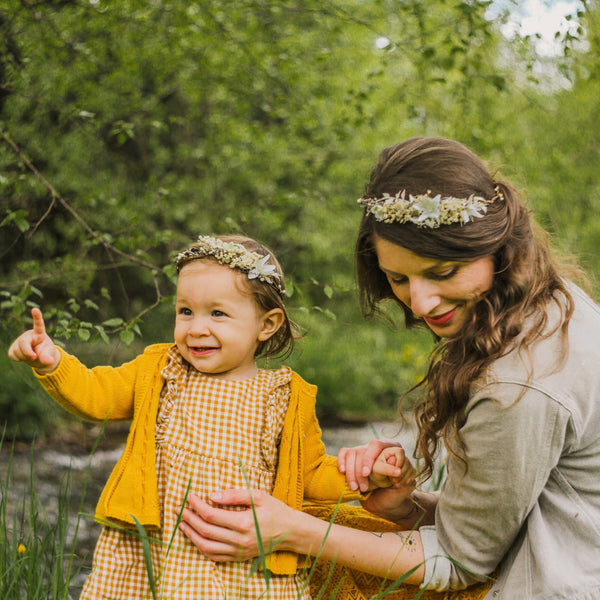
(39, 328)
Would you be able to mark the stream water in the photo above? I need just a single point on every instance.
(54, 468)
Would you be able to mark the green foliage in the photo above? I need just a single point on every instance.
(359, 368)
(562, 165)
(25, 409)
(129, 128)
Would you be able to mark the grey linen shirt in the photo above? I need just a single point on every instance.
(528, 508)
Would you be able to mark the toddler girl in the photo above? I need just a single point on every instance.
(204, 418)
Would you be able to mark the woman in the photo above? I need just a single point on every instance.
(512, 390)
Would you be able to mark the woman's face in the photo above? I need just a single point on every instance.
(442, 293)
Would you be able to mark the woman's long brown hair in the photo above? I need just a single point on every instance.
(527, 278)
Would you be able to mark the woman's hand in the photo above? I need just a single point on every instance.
(228, 535)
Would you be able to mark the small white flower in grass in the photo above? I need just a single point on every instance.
(429, 208)
(262, 269)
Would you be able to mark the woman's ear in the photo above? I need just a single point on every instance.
(271, 322)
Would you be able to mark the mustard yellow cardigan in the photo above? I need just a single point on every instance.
(132, 392)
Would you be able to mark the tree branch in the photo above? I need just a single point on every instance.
(57, 198)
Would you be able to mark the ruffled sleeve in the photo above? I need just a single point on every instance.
(174, 373)
(277, 401)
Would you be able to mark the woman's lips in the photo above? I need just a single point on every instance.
(441, 319)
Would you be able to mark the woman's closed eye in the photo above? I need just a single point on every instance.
(446, 273)
(436, 275)
(397, 280)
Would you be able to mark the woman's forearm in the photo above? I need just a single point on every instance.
(389, 555)
(225, 535)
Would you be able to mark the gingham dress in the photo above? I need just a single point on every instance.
(206, 429)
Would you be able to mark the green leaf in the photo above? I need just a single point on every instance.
(170, 271)
(127, 336)
(91, 304)
(115, 322)
(18, 218)
(102, 333)
(73, 305)
(83, 334)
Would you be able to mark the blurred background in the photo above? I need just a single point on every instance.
(129, 128)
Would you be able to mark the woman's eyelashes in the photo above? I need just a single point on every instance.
(446, 273)
(438, 275)
(397, 280)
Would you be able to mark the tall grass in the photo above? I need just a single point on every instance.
(37, 560)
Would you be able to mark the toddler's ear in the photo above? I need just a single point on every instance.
(271, 322)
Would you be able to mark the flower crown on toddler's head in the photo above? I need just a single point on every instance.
(425, 210)
(236, 256)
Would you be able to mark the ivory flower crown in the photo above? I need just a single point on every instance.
(236, 256)
(425, 210)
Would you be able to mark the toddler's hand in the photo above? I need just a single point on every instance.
(35, 347)
(357, 463)
(392, 469)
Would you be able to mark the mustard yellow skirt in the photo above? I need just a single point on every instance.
(342, 583)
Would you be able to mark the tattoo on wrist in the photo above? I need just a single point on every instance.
(408, 541)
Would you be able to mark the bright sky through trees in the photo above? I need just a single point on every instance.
(543, 17)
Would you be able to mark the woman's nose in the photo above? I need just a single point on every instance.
(424, 297)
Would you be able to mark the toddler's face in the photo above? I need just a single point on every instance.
(218, 325)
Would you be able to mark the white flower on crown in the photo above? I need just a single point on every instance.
(428, 208)
(262, 269)
(378, 212)
(473, 212)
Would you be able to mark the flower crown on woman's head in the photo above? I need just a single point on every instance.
(425, 210)
(236, 256)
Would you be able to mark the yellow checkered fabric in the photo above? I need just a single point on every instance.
(206, 429)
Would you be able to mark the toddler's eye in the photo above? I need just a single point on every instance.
(218, 313)
(185, 311)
